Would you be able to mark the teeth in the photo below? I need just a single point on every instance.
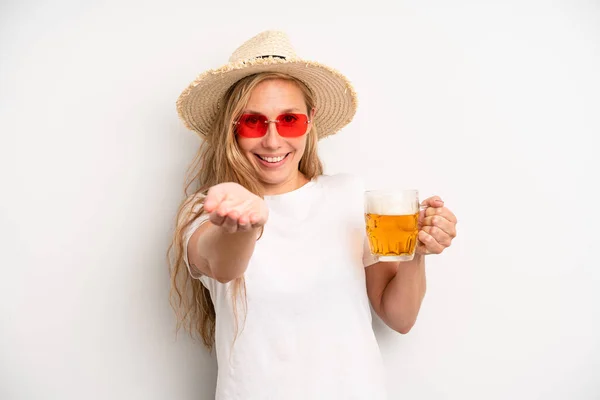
(272, 159)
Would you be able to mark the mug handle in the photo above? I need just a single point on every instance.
(422, 208)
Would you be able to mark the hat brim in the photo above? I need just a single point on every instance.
(335, 98)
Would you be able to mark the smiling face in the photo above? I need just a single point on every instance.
(275, 157)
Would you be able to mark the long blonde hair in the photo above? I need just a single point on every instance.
(219, 160)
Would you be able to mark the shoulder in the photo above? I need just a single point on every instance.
(344, 188)
(344, 181)
(191, 208)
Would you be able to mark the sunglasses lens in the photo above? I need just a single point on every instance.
(288, 125)
(252, 125)
(292, 125)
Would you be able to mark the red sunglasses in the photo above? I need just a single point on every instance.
(288, 125)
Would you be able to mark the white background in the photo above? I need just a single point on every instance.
(493, 106)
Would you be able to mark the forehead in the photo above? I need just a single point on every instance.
(276, 95)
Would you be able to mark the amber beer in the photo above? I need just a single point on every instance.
(392, 219)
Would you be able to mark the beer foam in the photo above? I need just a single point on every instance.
(391, 204)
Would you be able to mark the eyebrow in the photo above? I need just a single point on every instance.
(287, 110)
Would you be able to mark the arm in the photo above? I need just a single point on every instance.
(221, 255)
(221, 247)
(396, 291)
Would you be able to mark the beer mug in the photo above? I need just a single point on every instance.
(392, 223)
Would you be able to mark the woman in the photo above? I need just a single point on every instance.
(270, 259)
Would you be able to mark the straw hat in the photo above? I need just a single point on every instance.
(269, 51)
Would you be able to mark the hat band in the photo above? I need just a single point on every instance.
(274, 56)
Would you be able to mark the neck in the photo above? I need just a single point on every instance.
(295, 181)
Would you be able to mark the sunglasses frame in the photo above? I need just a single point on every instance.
(275, 121)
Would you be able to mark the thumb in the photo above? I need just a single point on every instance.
(214, 197)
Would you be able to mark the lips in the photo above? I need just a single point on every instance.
(272, 161)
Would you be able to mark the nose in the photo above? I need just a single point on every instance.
(271, 140)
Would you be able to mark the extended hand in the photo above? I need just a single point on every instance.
(235, 208)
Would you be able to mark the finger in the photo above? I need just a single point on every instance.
(244, 222)
(244, 227)
(430, 244)
(222, 209)
(429, 211)
(216, 219)
(449, 215)
(244, 219)
(433, 201)
(439, 235)
(442, 223)
(421, 217)
(231, 222)
(256, 220)
(441, 211)
(253, 218)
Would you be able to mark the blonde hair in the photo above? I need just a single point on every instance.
(219, 160)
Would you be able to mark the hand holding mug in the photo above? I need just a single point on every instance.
(438, 227)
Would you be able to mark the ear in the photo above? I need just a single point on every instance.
(311, 118)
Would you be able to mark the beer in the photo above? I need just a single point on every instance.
(392, 224)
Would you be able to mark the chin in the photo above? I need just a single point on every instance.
(274, 178)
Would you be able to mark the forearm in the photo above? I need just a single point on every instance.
(225, 255)
(402, 297)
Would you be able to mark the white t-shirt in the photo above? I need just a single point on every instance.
(306, 332)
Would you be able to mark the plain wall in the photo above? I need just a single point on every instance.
(492, 105)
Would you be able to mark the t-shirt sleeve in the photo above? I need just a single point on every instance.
(189, 231)
(187, 235)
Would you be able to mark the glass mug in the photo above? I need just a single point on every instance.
(392, 223)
